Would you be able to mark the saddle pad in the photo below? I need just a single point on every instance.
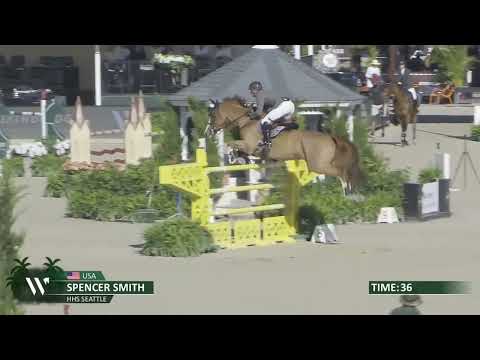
(274, 132)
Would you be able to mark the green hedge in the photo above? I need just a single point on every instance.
(112, 194)
(10, 242)
(177, 237)
(167, 147)
(14, 166)
(476, 133)
(104, 206)
(56, 185)
(324, 203)
(47, 165)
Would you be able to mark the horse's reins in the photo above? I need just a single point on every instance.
(229, 123)
(232, 122)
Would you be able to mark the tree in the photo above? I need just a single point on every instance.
(10, 241)
(453, 62)
(52, 269)
(392, 62)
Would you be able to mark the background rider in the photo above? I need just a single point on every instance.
(406, 83)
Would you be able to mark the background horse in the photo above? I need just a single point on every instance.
(324, 154)
(405, 111)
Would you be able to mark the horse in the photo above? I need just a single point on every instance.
(324, 154)
(406, 110)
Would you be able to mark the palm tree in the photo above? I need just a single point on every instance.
(51, 264)
(453, 62)
(52, 269)
(19, 271)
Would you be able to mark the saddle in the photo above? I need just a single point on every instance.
(280, 127)
(411, 100)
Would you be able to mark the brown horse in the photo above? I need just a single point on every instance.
(405, 110)
(324, 154)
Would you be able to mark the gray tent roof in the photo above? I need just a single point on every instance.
(279, 73)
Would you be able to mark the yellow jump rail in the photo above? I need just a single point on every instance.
(193, 179)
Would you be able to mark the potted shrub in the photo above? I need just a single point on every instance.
(427, 198)
(178, 66)
(475, 135)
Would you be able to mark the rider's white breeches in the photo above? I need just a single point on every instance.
(285, 110)
(414, 93)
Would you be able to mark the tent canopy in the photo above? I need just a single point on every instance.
(279, 73)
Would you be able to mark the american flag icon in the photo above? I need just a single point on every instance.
(73, 275)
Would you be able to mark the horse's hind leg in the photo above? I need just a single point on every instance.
(414, 133)
(344, 185)
(404, 133)
(372, 127)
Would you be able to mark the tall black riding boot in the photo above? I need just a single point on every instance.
(266, 135)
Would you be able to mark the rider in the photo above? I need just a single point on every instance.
(406, 83)
(276, 108)
(376, 95)
(372, 70)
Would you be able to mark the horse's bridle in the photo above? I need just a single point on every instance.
(211, 129)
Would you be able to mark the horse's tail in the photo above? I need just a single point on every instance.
(346, 154)
(355, 173)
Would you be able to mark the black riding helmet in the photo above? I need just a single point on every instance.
(256, 85)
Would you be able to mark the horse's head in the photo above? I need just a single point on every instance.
(390, 90)
(225, 114)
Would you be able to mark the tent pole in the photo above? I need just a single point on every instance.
(98, 76)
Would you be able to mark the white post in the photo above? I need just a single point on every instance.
(350, 125)
(297, 50)
(184, 133)
(476, 115)
(310, 50)
(254, 176)
(98, 76)
(442, 162)
(43, 112)
(221, 147)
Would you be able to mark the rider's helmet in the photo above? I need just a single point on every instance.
(256, 85)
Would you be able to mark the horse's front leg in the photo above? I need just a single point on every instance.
(240, 146)
(238, 151)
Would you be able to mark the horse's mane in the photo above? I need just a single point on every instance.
(237, 98)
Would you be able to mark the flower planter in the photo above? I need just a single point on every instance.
(427, 201)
